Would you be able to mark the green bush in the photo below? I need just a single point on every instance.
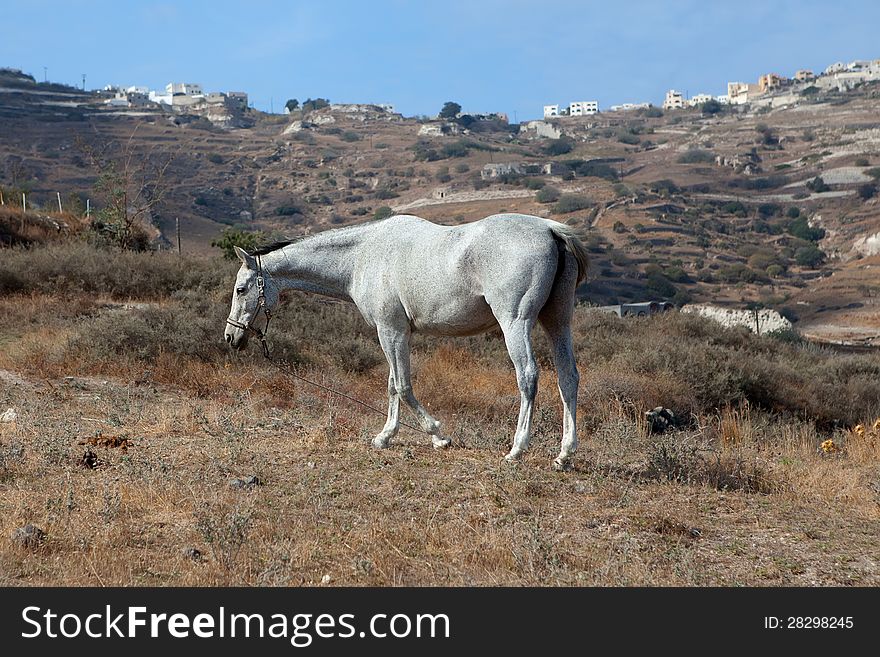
(817, 185)
(696, 156)
(350, 135)
(809, 256)
(800, 228)
(867, 191)
(232, 237)
(559, 146)
(383, 212)
(547, 194)
(216, 158)
(571, 203)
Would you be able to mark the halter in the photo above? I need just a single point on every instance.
(261, 305)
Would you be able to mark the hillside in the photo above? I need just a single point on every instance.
(724, 208)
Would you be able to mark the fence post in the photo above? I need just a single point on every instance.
(59, 202)
(23, 202)
(88, 208)
(177, 227)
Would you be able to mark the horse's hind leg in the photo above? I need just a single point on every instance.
(518, 338)
(555, 317)
(393, 424)
(395, 344)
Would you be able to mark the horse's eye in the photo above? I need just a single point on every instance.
(241, 290)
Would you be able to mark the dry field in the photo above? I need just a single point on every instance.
(137, 436)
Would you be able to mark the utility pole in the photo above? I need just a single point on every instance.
(84, 81)
(177, 228)
(271, 105)
(45, 74)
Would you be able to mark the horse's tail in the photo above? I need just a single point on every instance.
(574, 246)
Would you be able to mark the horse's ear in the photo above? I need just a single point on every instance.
(246, 259)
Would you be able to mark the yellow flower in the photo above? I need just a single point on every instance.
(829, 447)
(859, 430)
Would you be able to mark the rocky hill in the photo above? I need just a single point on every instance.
(770, 206)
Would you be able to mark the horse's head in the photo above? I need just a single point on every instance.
(254, 294)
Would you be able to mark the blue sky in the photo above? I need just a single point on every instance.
(487, 55)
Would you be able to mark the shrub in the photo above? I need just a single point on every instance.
(809, 256)
(449, 110)
(801, 228)
(350, 135)
(232, 237)
(664, 187)
(559, 146)
(383, 213)
(793, 212)
(216, 158)
(288, 210)
(384, 194)
(462, 168)
(817, 185)
(696, 156)
(596, 170)
(628, 138)
(571, 203)
(547, 194)
(711, 107)
(874, 172)
(862, 162)
(455, 149)
(867, 191)
(619, 227)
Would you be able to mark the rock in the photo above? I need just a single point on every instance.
(29, 536)
(8, 416)
(247, 482)
(660, 419)
(767, 320)
(193, 554)
(89, 460)
(325, 579)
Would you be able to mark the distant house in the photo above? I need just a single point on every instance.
(699, 99)
(740, 93)
(629, 107)
(771, 82)
(498, 169)
(237, 99)
(836, 67)
(724, 99)
(804, 75)
(640, 309)
(551, 110)
(583, 108)
(673, 100)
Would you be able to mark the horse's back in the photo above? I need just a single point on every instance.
(453, 279)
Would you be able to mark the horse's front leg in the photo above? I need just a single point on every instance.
(393, 423)
(395, 344)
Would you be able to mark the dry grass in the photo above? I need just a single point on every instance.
(742, 493)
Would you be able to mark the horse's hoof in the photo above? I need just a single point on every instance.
(440, 443)
(380, 443)
(561, 465)
(513, 456)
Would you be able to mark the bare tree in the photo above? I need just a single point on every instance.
(131, 185)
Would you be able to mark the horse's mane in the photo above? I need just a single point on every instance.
(269, 247)
(273, 246)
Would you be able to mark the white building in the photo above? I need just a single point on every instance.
(138, 90)
(551, 110)
(836, 67)
(699, 99)
(737, 93)
(388, 107)
(724, 99)
(674, 100)
(184, 88)
(583, 108)
(629, 107)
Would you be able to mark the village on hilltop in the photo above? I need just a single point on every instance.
(771, 90)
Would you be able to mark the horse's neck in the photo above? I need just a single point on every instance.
(321, 264)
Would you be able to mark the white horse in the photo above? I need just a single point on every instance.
(407, 274)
